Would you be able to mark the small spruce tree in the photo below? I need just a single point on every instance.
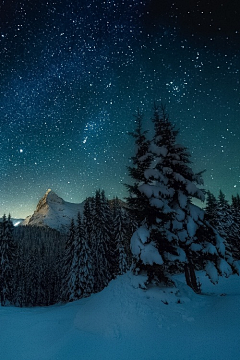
(7, 257)
(68, 289)
(85, 279)
(138, 203)
(120, 237)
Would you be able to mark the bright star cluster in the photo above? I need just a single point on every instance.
(73, 73)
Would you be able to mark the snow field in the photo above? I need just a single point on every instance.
(126, 322)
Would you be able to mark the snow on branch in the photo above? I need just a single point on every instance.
(211, 272)
(151, 173)
(224, 268)
(210, 249)
(182, 199)
(196, 212)
(178, 177)
(191, 226)
(159, 151)
(220, 244)
(144, 249)
(180, 257)
(144, 157)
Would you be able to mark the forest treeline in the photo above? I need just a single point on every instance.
(40, 267)
(225, 217)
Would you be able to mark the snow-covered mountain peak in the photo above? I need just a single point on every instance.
(53, 197)
(49, 198)
(52, 211)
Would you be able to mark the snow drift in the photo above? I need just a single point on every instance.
(124, 322)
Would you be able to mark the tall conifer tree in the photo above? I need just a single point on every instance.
(211, 208)
(101, 245)
(85, 278)
(141, 160)
(7, 257)
(174, 234)
(120, 237)
(69, 267)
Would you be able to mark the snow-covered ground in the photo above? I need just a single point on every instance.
(125, 322)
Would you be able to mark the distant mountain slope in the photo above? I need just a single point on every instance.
(52, 211)
(17, 222)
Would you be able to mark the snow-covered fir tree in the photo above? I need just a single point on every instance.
(211, 209)
(7, 258)
(235, 238)
(54, 262)
(34, 276)
(131, 225)
(224, 219)
(38, 266)
(85, 278)
(230, 225)
(138, 205)
(225, 222)
(70, 263)
(174, 233)
(120, 236)
(88, 221)
(19, 289)
(108, 228)
(236, 203)
(100, 241)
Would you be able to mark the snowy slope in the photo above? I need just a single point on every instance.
(15, 222)
(54, 212)
(125, 322)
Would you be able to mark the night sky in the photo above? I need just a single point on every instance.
(73, 73)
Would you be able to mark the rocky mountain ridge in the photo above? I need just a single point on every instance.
(52, 211)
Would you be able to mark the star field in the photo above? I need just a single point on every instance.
(73, 73)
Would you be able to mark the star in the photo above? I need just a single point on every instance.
(73, 76)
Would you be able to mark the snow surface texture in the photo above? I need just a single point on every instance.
(124, 322)
(54, 212)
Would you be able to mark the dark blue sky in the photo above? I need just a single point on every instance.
(73, 73)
